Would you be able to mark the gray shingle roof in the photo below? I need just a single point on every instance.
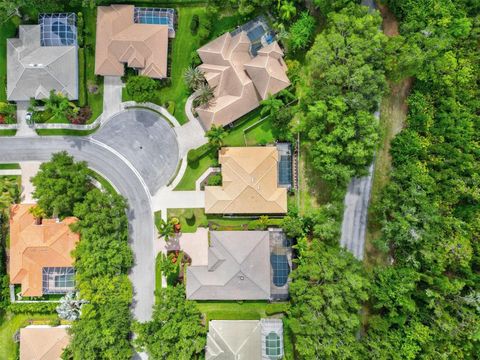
(34, 70)
(238, 268)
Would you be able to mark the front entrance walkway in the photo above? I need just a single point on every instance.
(29, 169)
(194, 244)
(24, 129)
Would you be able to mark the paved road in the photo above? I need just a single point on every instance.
(125, 179)
(149, 142)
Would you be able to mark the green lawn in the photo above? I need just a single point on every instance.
(7, 30)
(62, 132)
(158, 275)
(9, 166)
(259, 134)
(95, 101)
(239, 310)
(10, 324)
(8, 132)
(200, 219)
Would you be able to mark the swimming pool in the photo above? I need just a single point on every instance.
(281, 269)
(153, 20)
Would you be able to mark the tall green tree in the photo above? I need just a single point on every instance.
(215, 136)
(340, 89)
(176, 330)
(327, 291)
(60, 184)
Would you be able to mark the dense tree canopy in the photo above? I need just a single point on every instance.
(60, 184)
(426, 304)
(140, 88)
(327, 292)
(340, 90)
(176, 330)
(103, 227)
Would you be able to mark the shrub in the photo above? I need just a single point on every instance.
(141, 88)
(32, 308)
(194, 24)
(195, 154)
(82, 91)
(276, 308)
(215, 179)
(80, 29)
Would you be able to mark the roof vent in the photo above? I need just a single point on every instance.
(242, 277)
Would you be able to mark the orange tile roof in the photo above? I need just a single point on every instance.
(122, 41)
(249, 183)
(43, 343)
(33, 247)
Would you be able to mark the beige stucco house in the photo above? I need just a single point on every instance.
(250, 183)
(240, 80)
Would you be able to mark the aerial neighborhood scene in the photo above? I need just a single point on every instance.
(239, 180)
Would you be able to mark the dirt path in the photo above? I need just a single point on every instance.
(392, 120)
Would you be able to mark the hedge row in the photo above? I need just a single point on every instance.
(31, 308)
(195, 154)
(82, 90)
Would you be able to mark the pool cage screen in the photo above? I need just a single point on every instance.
(158, 16)
(58, 280)
(58, 29)
(272, 339)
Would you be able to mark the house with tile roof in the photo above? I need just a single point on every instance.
(135, 37)
(249, 183)
(245, 339)
(239, 79)
(40, 255)
(238, 268)
(40, 60)
(39, 342)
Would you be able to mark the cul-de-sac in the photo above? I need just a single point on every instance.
(239, 180)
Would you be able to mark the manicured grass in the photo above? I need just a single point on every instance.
(7, 30)
(218, 222)
(239, 310)
(158, 274)
(10, 324)
(9, 166)
(95, 101)
(235, 137)
(158, 219)
(64, 132)
(8, 132)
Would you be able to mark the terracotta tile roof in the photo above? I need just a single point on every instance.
(122, 41)
(240, 80)
(250, 183)
(43, 343)
(33, 247)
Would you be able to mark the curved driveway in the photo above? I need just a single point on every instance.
(114, 166)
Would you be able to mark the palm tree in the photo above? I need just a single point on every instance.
(38, 213)
(287, 10)
(271, 106)
(166, 230)
(263, 222)
(193, 77)
(205, 95)
(215, 136)
(59, 105)
(8, 192)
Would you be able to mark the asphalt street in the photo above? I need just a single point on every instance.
(116, 166)
(149, 144)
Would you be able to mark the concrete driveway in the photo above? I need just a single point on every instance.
(146, 140)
